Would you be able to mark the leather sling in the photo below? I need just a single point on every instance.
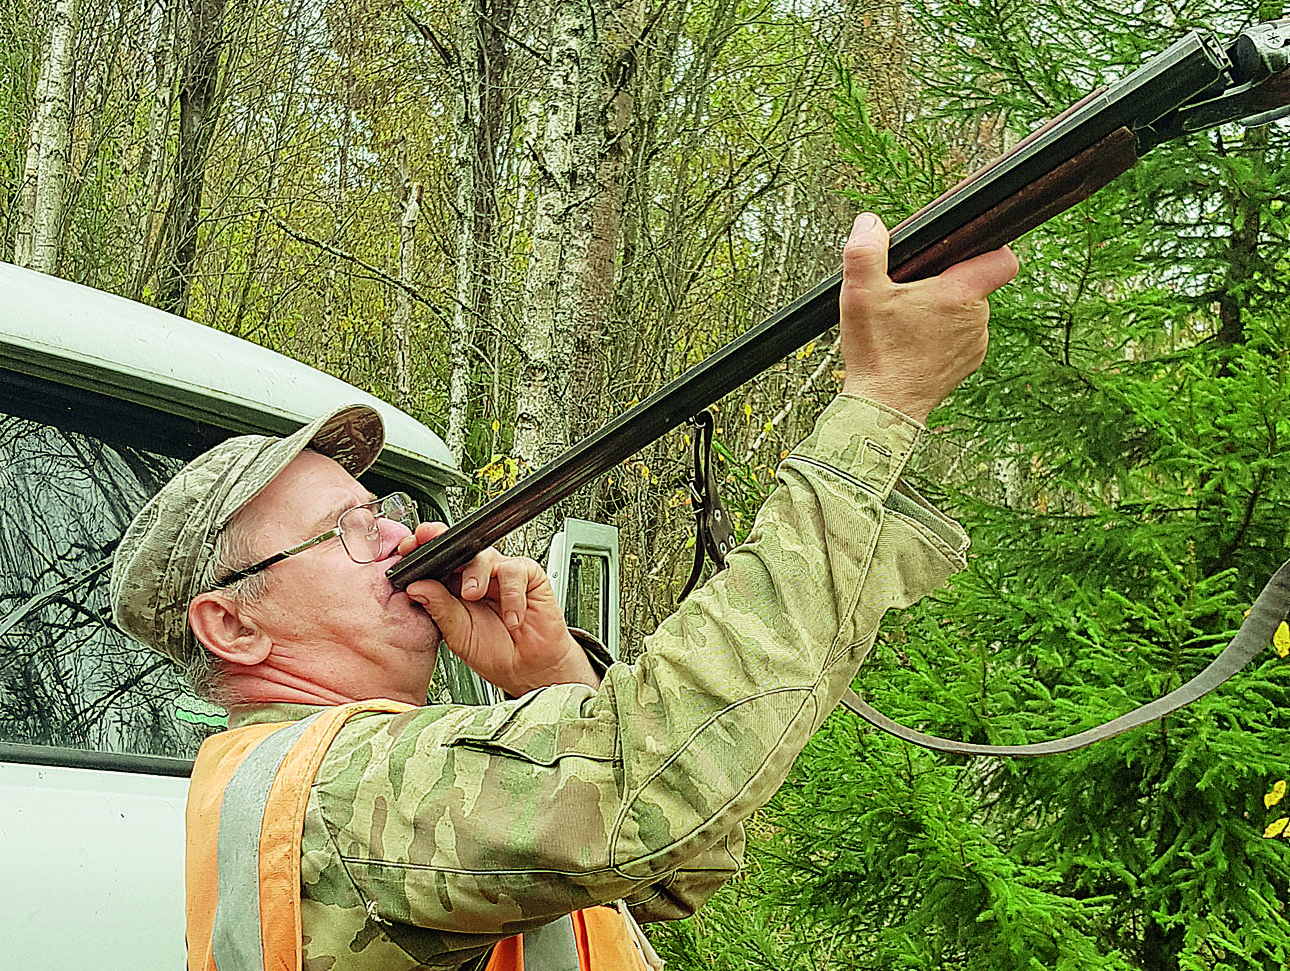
(1270, 610)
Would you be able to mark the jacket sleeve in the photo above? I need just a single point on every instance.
(483, 822)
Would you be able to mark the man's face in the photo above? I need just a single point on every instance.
(335, 623)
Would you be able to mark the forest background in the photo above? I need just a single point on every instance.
(514, 218)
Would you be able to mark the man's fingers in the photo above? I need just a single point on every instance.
(502, 579)
(864, 258)
(984, 274)
(423, 534)
(478, 573)
(513, 576)
(449, 613)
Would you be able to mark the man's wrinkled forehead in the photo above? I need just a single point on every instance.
(311, 491)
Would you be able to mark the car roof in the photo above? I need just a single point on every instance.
(86, 338)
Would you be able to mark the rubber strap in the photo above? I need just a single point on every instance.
(714, 532)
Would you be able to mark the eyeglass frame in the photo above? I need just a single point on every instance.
(333, 533)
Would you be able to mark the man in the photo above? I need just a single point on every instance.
(372, 833)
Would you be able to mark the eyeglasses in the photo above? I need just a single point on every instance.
(359, 530)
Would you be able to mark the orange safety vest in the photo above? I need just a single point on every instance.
(245, 819)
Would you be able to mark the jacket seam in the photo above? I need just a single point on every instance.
(879, 492)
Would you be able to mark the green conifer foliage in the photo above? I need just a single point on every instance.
(1122, 462)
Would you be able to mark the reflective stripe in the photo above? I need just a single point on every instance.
(235, 939)
(551, 947)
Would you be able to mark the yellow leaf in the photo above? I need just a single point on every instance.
(1276, 828)
(769, 427)
(497, 425)
(747, 410)
(1276, 795)
(1281, 639)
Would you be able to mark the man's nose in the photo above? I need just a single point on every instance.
(392, 533)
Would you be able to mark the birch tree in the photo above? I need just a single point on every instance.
(542, 389)
(45, 172)
(479, 66)
(409, 209)
(580, 147)
(146, 206)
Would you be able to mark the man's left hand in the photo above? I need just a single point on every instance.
(500, 615)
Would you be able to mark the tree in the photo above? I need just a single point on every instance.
(46, 169)
(198, 114)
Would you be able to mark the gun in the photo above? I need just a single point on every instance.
(1196, 83)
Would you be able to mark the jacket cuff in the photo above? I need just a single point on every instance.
(863, 441)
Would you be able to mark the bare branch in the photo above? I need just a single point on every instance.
(410, 290)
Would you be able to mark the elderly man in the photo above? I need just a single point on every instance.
(339, 821)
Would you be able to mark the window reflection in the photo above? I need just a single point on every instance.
(74, 469)
(67, 677)
(584, 603)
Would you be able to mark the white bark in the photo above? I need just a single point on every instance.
(581, 157)
(45, 171)
(24, 226)
(402, 322)
(469, 246)
(149, 205)
(541, 406)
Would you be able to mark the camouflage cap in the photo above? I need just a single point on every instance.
(163, 556)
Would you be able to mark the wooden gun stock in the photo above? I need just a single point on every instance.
(1069, 183)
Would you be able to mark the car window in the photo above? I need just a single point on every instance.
(67, 677)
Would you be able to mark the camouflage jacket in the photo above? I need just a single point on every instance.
(429, 835)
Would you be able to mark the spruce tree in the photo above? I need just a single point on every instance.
(1120, 462)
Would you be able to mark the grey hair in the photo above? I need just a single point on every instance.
(233, 551)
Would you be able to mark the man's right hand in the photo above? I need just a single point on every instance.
(500, 615)
(908, 345)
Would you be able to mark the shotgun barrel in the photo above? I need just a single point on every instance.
(1196, 82)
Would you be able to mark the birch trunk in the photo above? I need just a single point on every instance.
(581, 157)
(148, 208)
(603, 150)
(482, 64)
(45, 171)
(541, 414)
(338, 222)
(24, 223)
(410, 205)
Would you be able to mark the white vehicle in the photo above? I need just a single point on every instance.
(101, 399)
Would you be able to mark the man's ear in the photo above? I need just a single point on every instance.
(220, 623)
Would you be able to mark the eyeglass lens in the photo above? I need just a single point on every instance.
(360, 528)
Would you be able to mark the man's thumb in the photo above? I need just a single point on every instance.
(864, 258)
